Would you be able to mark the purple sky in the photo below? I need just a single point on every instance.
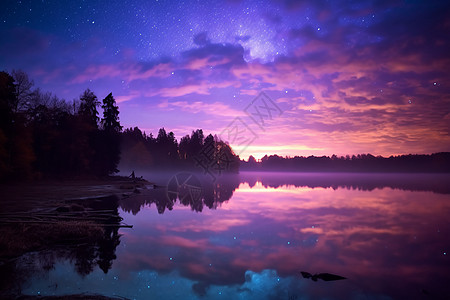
(349, 76)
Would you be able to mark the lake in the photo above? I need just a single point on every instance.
(250, 236)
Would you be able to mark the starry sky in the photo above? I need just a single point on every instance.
(348, 77)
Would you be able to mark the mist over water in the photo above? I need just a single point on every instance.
(250, 235)
(363, 181)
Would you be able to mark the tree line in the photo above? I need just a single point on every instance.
(193, 152)
(411, 163)
(44, 136)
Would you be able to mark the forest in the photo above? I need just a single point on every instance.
(411, 163)
(43, 136)
(194, 152)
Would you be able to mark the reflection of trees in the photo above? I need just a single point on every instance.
(220, 191)
(84, 252)
(212, 194)
(196, 194)
(356, 181)
(101, 253)
(84, 259)
(107, 248)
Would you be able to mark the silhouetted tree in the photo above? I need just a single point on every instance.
(16, 152)
(164, 151)
(23, 87)
(88, 108)
(250, 164)
(196, 143)
(437, 163)
(226, 160)
(107, 148)
(184, 147)
(42, 135)
(251, 160)
(166, 148)
(172, 147)
(110, 121)
(136, 149)
(47, 99)
(8, 99)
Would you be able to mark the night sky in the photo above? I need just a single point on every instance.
(349, 76)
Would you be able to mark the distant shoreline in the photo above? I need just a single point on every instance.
(425, 182)
(361, 163)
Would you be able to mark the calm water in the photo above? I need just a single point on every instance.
(249, 237)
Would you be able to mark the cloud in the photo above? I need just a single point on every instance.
(23, 42)
(128, 71)
(217, 52)
(242, 38)
(373, 79)
(211, 109)
(338, 227)
(201, 39)
(126, 97)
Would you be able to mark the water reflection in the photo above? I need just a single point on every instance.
(97, 249)
(189, 189)
(358, 181)
(198, 191)
(390, 242)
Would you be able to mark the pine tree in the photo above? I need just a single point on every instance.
(110, 119)
(108, 140)
(88, 107)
